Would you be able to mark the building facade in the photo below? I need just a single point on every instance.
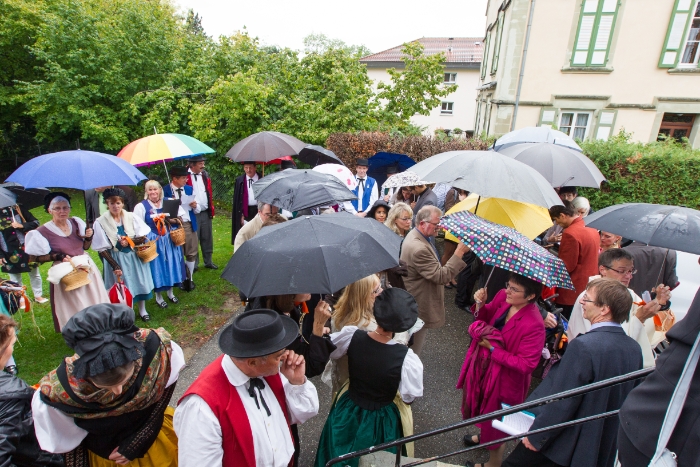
(592, 68)
(463, 59)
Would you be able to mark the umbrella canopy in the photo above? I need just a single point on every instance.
(507, 249)
(161, 148)
(316, 155)
(264, 147)
(381, 160)
(29, 198)
(560, 165)
(660, 225)
(81, 170)
(340, 172)
(528, 219)
(312, 254)
(540, 134)
(407, 178)
(7, 198)
(297, 189)
(489, 174)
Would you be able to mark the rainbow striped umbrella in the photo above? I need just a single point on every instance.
(161, 148)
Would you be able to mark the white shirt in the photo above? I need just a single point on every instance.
(37, 245)
(199, 431)
(140, 211)
(176, 195)
(249, 187)
(373, 197)
(58, 433)
(200, 191)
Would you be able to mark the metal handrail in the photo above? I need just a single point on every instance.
(497, 414)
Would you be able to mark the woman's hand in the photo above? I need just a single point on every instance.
(480, 297)
(16, 225)
(551, 321)
(66, 259)
(322, 314)
(118, 458)
(88, 232)
(123, 242)
(118, 272)
(554, 238)
(485, 344)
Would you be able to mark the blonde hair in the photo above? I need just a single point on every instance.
(148, 185)
(395, 212)
(354, 308)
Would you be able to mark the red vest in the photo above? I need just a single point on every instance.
(213, 386)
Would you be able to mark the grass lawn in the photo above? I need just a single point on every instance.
(191, 322)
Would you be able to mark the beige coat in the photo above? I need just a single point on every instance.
(426, 279)
(248, 231)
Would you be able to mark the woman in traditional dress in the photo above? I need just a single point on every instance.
(384, 376)
(168, 268)
(59, 240)
(113, 232)
(108, 403)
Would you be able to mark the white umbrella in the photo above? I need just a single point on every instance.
(340, 172)
(541, 134)
(405, 178)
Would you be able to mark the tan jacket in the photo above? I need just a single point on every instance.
(248, 231)
(426, 279)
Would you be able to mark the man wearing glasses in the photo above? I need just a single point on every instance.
(618, 264)
(250, 229)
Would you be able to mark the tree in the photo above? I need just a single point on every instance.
(320, 43)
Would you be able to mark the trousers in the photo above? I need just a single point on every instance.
(34, 280)
(205, 237)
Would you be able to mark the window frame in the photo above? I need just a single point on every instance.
(676, 14)
(453, 75)
(591, 50)
(448, 111)
(484, 60)
(497, 44)
(575, 113)
(684, 43)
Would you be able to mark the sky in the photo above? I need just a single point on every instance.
(377, 24)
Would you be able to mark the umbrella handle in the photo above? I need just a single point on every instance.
(493, 268)
(663, 264)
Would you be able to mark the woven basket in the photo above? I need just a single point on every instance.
(147, 252)
(177, 236)
(76, 279)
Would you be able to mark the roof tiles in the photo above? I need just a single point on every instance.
(456, 49)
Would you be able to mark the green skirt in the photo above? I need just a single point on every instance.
(350, 428)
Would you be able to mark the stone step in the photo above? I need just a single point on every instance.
(386, 459)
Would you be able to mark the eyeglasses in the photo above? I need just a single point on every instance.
(60, 208)
(433, 223)
(630, 272)
(406, 218)
(512, 289)
(586, 300)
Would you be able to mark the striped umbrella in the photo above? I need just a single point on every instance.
(161, 148)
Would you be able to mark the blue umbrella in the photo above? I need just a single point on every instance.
(81, 170)
(381, 160)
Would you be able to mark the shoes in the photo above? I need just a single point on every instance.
(449, 286)
(146, 318)
(211, 266)
(174, 299)
(41, 300)
(162, 304)
(11, 369)
(469, 442)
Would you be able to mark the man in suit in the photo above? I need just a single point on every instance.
(366, 189)
(245, 207)
(176, 189)
(200, 182)
(426, 277)
(95, 205)
(425, 197)
(602, 353)
(655, 265)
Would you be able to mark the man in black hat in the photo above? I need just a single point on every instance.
(245, 207)
(285, 164)
(178, 189)
(201, 188)
(239, 410)
(366, 190)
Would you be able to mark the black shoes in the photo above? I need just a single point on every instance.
(211, 266)
(469, 442)
(145, 318)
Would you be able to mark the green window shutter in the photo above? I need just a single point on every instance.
(484, 59)
(548, 116)
(677, 30)
(594, 34)
(606, 123)
(497, 43)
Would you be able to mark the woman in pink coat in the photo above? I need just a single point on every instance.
(513, 322)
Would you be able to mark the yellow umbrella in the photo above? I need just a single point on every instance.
(528, 219)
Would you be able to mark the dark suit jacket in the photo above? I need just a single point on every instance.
(237, 209)
(600, 354)
(168, 193)
(643, 412)
(92, 202)
(649, 261)
(427, 198)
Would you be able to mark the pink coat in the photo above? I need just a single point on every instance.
(523, 336)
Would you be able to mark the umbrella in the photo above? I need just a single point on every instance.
(264, 147)
(29, 198)
(489, 174)
(673, 227)
(161, 148)
(507, 249)
(297, 189)
(560, 165)
(541, 134)
(7, 198)
(528, 219)
(340, 172)
(77, 169)
(381, 160)
(316, 155)
(407, 178)
(312, 254)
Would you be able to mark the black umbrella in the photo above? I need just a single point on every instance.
(673, 227)
(317, 155)
(312, 254)
(29, 198)
(297, 189)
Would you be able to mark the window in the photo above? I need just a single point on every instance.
(446, 108)
(692, 43)
(484, 59)
(676, 126)
(575, 124)
(682, 36)
(450, 78)
(595, 30)
(497, 43)
(606, 122)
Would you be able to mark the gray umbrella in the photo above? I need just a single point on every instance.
(7, 198)
(671, 227)
(297, 189)
(312, 254)
(29, 198)
(265, 147)
(560, 165)
(317, 155)
(532, 134)
(488, 174)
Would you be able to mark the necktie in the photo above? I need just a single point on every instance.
(260, 385)
(250, 182)
(195, 177)
(179, 194)
(362, 182)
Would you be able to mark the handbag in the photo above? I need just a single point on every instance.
(663, 457)
(119, 293)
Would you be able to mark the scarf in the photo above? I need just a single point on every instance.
(109, 225)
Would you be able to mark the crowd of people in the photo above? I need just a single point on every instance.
(109, 403)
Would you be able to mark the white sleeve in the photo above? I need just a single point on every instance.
(141, 229)
(177, 361)
(100, 242)
(347, 205)
(182, 214)
(637, 331)
(36, 244)
(81, 225)
(140, 212)
(341, 340)
(302, 400)
(577, 323)
(411, 385)
(55, 431)
(374, 196)
(198, 432)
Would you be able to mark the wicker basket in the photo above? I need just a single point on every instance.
(76, 279)
(177, 236)
(147, 252)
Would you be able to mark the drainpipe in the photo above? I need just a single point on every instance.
(522, 66)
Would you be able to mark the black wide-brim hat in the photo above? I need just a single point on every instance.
(197, 158)
(257, 333)
(362, 162)
(395, 310)
(179, 171)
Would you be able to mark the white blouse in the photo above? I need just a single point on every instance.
(100, 242)
(36, 244)
(58, 433)
(411, 385)
(140, 212)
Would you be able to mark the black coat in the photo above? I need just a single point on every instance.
(644, 410)
(600, 354)
(92, 202)
(16, 260)
(237, 209)
(18, 444)
(427, 198)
